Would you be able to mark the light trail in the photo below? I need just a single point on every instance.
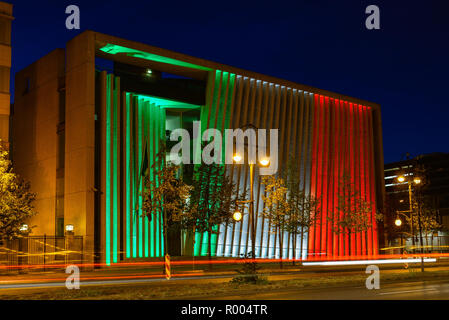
(305, 262)
(105, 281)
(363, 262)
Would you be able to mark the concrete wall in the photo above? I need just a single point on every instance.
(35, 122)
(80, 138)
(5, 67)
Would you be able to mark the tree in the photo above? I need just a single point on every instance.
(352, 214)
(276, 208)
(16, 200)
(165, 194)
(303, 208)
(213, 201)
(426, 215)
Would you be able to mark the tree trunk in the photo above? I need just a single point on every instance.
(209, 247)
(294, 247)
(431, 243)
(165, 239)
(280, 247)
(302, 242)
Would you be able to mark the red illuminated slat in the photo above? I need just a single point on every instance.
(357, 157)
(342, 144)
(362, 141)
(330, 159)
(320, 175)
(324, 176)
(352, 169)
(311, 246)
(367, 180)
(347, 165)
(372, 185)
(336, 165)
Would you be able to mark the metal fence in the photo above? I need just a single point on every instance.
(41, 251)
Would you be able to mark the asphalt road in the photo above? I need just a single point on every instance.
(428, 290)
(28, 283)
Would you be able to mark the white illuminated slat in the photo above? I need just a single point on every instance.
(358, 262)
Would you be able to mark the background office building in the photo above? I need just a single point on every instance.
(433, 170)
(90, 116)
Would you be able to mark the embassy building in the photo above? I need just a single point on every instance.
(88, 118)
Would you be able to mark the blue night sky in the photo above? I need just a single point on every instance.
(404, 66)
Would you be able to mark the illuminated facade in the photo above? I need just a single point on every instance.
(106, 112)
(5, 67)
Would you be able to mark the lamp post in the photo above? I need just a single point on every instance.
(398, 222)
(263, 162)
(251, 203)
(417, 181)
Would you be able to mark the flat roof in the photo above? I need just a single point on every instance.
(136, 53)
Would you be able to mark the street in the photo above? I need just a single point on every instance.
(397, 291)
(305, 283)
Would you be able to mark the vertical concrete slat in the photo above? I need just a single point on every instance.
(103, 94)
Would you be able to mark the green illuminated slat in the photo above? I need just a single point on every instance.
(159, 231)
(152, 176)
(204, 246)
(108, 171)
(162, 122)
(116, 49)
(115, 177)
(135, 168)
(140, 180)
(145, 149)
(196, 249)
(128, 177)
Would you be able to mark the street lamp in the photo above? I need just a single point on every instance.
(262, 162)
(237, 216)
(398, 222)
(416, 180)
(237, 158)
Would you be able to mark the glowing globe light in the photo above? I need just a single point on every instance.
(237, 216)
(265, 162)
(237, 158)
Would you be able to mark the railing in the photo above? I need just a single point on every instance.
(40, 251)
